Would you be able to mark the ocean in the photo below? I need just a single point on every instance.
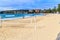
(18, 15)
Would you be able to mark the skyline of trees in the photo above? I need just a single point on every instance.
(58, 9)
(53, 10)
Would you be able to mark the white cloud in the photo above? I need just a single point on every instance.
(7, 8)
(11, 4)
(15, 4)
(16, 1)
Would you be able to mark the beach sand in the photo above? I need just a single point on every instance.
(43, 28)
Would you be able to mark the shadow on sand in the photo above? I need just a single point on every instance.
(58, 36)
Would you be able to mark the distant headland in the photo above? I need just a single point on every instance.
(53, 10)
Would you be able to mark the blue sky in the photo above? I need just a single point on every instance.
(27, 4)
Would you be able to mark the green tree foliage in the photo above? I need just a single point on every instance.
(47, 10)
(54, 10)
(58, 8)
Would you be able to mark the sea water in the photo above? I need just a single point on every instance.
(19, 15)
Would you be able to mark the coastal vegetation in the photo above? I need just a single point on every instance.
(29, 11)
(58, 8)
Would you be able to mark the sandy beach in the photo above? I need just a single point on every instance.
(38, 28)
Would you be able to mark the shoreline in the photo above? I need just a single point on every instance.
(47, 28)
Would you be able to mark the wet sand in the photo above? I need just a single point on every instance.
(47, 28)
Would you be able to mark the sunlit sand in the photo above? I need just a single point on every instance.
(47, 28)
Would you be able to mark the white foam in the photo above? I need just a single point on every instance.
(17, 17)
(11, 18)
(14, 18)
(9, 15)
